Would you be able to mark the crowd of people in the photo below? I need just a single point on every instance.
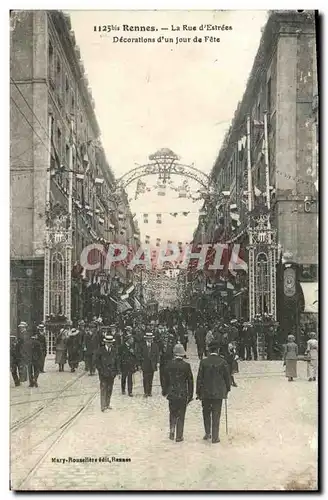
(147, 344)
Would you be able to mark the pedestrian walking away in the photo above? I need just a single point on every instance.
(107, 363)
(179, 390)
(312, 354)
(213, 385)
(290, 358)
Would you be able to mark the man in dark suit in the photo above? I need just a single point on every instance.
(179, 389)
(128, 361)
(149, 358)
(166, 355)
(107, 363)
(41, 334)
(200, 336)
(213, 385)
(34, 357)
(91, 341)
(14, 359)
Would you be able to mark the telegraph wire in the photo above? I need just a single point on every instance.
(29, 123)
(30, 107)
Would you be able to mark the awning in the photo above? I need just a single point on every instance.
(310, 292)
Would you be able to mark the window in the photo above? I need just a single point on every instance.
(59, 79)
(51, 62)
(72, 102)
(67, 103)
(59, 141)
(262, 284)
(269, 97)
(258, 112)
(67, 156)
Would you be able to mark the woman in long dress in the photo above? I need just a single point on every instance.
(61, 349)
(290, 358)
(312, 354)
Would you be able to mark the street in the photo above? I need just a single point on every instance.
(271, 441)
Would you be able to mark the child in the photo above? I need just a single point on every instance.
(312, 354)
(290, 358)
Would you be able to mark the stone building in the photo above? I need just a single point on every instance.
(284, 169)
(52, 109)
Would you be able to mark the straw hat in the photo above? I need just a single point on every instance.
(178, 350)
(109, 339)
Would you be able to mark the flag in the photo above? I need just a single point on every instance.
(141, 188)
(161, 190)
(257, 192)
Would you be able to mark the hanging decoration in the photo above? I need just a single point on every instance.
(185, 214)
(174, 214)
(161, 189)
(158, 242)
(158, 218)
(147, 239)
(145, 218)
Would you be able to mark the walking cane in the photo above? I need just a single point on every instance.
(226, 415)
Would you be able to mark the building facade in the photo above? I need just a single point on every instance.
(266, 173)
(54, 133)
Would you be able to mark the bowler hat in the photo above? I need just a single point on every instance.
(214, 344)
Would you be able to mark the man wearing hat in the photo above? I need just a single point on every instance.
(34, 357)
(128, 361)
(73, 349)
(23, 339)
(14, 359)
(213, 385)
(179, 388)
(107, 363)
(149, 358)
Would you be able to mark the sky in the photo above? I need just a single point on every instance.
(166, 95)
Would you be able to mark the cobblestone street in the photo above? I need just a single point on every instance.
(271, 437)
